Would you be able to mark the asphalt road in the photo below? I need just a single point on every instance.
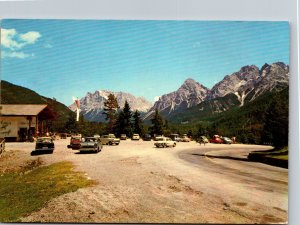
(191, 183)
(230, 163)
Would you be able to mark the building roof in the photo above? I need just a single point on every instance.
(21, 110)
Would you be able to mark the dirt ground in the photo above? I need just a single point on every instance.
(138, 183)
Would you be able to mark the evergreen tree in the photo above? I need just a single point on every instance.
(201, 131)
(213, 129)
(167, 130)
(71, 125)
(110, 111)
(124, 124)
(157, 124)
(276, 127)
(138, 127)
(190, 134)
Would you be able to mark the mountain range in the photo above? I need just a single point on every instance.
(194, 100)
(91, 105)
(191, 102)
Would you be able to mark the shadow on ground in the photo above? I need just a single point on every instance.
(41, 152)
(223, 157)
(86, 152)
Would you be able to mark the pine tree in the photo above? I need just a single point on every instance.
(110, 110)
(124, 124)
(201, 131)
(167, 130)
(71, 125)
(157, 124)
(276, 127)
(138, 127)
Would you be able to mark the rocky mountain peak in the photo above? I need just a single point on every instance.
(272, 77)
(92, 104)
(191, 85)
(236, 83)
(248, 72)
(190, 93)
(189, 81)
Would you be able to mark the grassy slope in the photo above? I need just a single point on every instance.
(23, 193)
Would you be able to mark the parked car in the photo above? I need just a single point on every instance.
(44, 144)
(185, 138)
(74, 141)
(226, 140)
(178, 139)
(203, 139)
(165, 142)
(216, 139)
(135, 137)
(109, 139)
(88, 144)
(147, 137)
(174, 137)
(96, 136)
(123, 137)
(158, 137)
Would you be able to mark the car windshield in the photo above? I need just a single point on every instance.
(90, 139)
(44, 140)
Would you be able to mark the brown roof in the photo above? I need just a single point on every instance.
(21, 110)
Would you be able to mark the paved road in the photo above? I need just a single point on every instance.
(140, 183)
(256, 180)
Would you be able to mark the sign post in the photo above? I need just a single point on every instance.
(77, 103)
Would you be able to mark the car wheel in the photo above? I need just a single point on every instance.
(110, 143)
(165, 145)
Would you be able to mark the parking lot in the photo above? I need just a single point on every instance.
(140, 183)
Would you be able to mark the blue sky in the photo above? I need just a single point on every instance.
(65, 58)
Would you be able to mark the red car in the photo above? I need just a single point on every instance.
(216, 139)
(75, 142)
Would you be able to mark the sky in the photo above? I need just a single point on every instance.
(64, 58)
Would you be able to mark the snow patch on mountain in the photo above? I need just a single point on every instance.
(92, 104)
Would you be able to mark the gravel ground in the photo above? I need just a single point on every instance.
(138, 183)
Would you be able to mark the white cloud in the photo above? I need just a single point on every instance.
(13, 42)
(156, 98)
(7, 39)
(30, 37)
(19, 55)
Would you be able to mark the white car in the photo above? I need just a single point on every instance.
(135, 137)
(165, 142)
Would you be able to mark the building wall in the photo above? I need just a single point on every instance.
(10, 125)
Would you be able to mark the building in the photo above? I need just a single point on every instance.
(19, 122)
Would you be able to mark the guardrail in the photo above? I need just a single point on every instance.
(2, 145)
